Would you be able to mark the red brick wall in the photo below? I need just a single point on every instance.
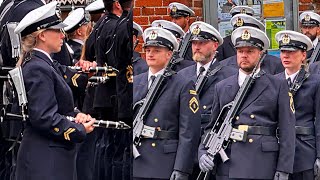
(146, 11)
(309, 5)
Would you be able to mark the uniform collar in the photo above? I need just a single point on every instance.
(78, 41)
(156, 74)
(242, 76)
(151, 74)
(40, 50)
(206, 66)
(292, 76)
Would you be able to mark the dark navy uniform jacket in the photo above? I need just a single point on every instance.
(206, 95)
(176, 109)
(309, 54)
(315, 68)
(271, 64)
(47, 150)
(226, 49)
(139, 64)
(105, 94)
(307, 109)
(267, 104)
(77, 48)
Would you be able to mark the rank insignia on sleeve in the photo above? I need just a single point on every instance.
(74, 79)
(67, 133)
(291, 103)
(194, 104)
(193, 92)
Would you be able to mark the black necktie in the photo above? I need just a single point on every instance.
(201, 70)
(289, 82)
(152, 78)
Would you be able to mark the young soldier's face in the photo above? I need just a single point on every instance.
(203, 51)
(292, 59)
(310, 31)
(157, 57)
(247, 58)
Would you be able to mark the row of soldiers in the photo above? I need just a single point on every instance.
(97, 37)
(274, 101)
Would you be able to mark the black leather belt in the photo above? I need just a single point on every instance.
(150, 132)
(165, 135)
(300, 130)
(258, 130)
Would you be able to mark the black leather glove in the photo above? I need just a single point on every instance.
(316, 169)
(281, 176)
(177, 175)
(205, 163)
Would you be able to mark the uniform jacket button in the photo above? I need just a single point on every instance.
(156, 120)
(153, 144)
(250, 140)
(237, 118)
(252, 116)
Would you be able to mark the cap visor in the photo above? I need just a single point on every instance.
(198, 38)
(288, 48)
(154, 45)
(58, 26)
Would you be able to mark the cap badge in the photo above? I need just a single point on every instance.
(160, 25)
(196, 30)
(286, 39)
(243, 11)
(245, 35)
(307, 17)
(239, 22)
(153, 35)
(174, 9)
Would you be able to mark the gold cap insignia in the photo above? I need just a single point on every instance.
(194, 104)
(174, 9)
(239, 22)
(286, 39)
(153, 35)
(196, 30)
(245, 35)
(307, 17)
(160, 25)
(243, 11)
(129, 74)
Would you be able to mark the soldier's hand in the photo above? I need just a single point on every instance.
(205, 163)
(316, 169)
(89, 125)
(177, 175)
(82, 118)
(281, 176)
(85, 65)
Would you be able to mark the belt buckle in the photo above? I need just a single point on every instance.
(148, 131)
(243, 128)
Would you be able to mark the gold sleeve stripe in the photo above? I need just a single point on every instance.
(67, 133)
(193, 92)
(74, 79)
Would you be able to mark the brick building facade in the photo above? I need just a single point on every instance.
(146, 11)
